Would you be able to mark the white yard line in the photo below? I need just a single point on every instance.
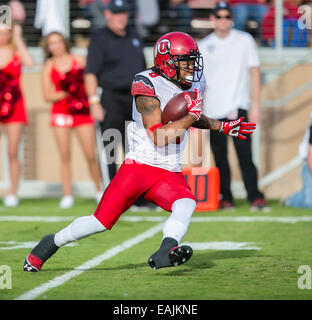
(36, 218)
(253, 219)
(221, 245)
(12, 245)
(222, 219)
(163, 218)
(58, 281)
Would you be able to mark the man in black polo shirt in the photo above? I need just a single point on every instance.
(115, 55)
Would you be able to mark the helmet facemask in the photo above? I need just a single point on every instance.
(194, 65)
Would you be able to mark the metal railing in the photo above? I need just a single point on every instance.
(165, 23)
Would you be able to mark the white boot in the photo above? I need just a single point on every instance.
(10, 200)
(66, 202)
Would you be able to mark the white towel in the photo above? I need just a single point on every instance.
(52, 15)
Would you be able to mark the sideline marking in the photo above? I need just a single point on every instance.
(12, 245)
(58, 281)
(221, 245)
(163, 218)
(36, 219)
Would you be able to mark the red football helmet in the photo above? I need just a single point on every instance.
(172, 48)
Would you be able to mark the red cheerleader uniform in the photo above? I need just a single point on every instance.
(63, 114)
(12, 106)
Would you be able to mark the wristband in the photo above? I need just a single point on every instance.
(151, 129)
(95, 99)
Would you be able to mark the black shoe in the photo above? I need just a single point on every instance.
(175, 257)
(226, 205)
(32, 264)
(41, 252)
(180, 255)
(260, 204)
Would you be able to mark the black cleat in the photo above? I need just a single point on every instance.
(159, 260)
(175, 257)
(32, 263)
(180, 255)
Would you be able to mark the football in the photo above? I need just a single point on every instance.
(176, 108)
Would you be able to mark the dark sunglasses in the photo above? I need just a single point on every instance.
(228, 17)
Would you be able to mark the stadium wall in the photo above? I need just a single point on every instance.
(280, 133)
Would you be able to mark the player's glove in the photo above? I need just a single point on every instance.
(238, 128)
(194, 106)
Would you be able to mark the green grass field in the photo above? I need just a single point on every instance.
(263, 266)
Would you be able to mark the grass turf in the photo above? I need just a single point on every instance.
(268, 273)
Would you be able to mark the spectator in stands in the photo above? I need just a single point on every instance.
(63, 85)
(244, 10)
(147, 16)
(93, 10)
(292, 35)
(13, 116)
(176, 14)
(227, 98)
(115, 55)
(303, 198)
(181, 15)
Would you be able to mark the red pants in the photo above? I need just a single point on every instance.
(133, 180)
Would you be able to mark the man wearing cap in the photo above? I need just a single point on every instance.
(231, 62)
(115, 55)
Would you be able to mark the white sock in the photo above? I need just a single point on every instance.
(177, 224)
(78, 229)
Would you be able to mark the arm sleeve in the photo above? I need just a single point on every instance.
(142, 86)
(96, 54)
(310, 135)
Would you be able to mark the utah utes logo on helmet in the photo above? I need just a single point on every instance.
(164, 46)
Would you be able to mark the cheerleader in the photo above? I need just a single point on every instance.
(63, 86)
(13, 116)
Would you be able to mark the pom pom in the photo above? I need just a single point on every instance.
(10, 93)
(73, 83)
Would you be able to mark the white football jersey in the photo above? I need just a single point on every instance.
(141, 147)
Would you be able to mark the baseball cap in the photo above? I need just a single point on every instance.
(222, 5)
(116, 6)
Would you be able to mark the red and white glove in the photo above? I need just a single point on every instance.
(194, 106)
(237, 128)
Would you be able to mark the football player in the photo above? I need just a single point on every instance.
(152, 167)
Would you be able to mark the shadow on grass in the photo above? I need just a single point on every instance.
(227, 254)
(202, 260)
(121, 267)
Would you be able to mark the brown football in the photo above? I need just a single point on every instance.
(176, 108)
